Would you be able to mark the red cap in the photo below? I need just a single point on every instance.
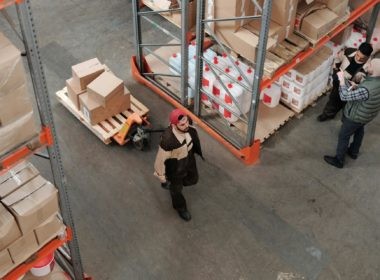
(175, 114)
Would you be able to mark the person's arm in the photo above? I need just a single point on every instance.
(350, 92)
(159, 164)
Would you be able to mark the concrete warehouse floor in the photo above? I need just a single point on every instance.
(291, 216)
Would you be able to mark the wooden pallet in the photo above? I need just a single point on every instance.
(106, 129)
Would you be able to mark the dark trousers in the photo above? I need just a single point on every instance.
(334, 104)
(178, 200)
(348, 129)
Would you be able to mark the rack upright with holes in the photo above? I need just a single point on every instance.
(246, 145)
(46, 138)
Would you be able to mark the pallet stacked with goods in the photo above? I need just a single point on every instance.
(36, 223)
(263, 67)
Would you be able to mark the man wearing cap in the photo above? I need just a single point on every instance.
(352, 62)
(363, 104)
(175, 164)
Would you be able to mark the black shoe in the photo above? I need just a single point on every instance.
(165, 185)
(334, 161)
(323, 118)
(185, 215)
(351, 155)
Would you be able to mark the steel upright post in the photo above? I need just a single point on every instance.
(372, 22)
(260, 59)
(42, 96)
(137, 31)
(184, 52)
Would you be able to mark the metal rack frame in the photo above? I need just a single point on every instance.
(249, 151)
(47, 138)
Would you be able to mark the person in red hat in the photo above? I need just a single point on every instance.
(175, 165)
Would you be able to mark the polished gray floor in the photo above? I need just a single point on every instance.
(291, 216)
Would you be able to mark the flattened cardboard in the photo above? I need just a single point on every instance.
(23, 248)
(9, 230)
(48, 230)
(16, 178)
(33, 204)
(104, 87)
(85, 72)
(5, 261)
(73, 92)
(17, 132)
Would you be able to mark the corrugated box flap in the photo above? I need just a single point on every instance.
(38, 197)
(13, 170)
(6, 219)
(24, 191)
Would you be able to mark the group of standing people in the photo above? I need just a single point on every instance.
(356, 90)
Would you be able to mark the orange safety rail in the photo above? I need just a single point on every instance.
(248, 155)
(47, 250)
(366, 6)
(45, 139)
(7, 3)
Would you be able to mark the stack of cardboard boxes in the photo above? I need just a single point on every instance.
(301, 85)
(242, 35)
(17, 123)
(97, 93)
(28, 215)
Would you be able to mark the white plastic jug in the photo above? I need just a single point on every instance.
(219, 63)
(272, 95)
(231, 72)
(208, 81)
(209, 54)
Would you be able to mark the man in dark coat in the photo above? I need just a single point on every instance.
(363, 105)
(352, 62)
(175, 164)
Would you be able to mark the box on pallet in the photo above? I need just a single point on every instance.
(23, 247)
(5, 262)
(73, 92)
(9, 230)
(48, 230)
(85, 72)
(318, 23)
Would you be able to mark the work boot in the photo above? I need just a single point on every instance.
(334, 161)
(351, 155)
(185, 215)
(323, 117)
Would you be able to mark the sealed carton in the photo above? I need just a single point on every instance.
(73, 92)
(104, 87)
(23, 248)
(5, 262)
(32, 204)
(85, 72)
(318, 23)
(48, 230)
(9, 230)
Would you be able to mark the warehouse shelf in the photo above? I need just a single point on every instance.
(46, 138)
(145, 71)
(45, 251)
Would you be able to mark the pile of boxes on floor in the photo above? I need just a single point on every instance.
(28, 215)
(97, 92)
(17, 121)
(301, 85)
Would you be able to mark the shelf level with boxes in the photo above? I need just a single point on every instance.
(20, 138)
(233, 28)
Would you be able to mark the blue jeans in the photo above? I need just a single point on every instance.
(348, 129)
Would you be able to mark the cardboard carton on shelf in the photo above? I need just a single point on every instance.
(94, 112)
(5, 262)
(32, 204)
(340, 9)
(85, 72)
(23, 248)
(48, 230)
(104, 88)
(275, 32)
(9, 230)
(73, 92)
(15, 178)
(318, 23)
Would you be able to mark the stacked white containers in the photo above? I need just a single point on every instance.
(301, 85)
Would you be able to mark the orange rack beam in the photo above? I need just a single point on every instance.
(45, 139)
(7, 3)
(44, 252)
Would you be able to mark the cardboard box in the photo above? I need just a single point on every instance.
(104, 87)
(15, 178)
(48, 230)
(340, 9)
(17, 133)
(23, 248)
(85, 72)
(73, 92)
(276, 31)
(174, 17)
(5, 262)
(9, 230)
(32, 204)
(94, 112)
(318, 23)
